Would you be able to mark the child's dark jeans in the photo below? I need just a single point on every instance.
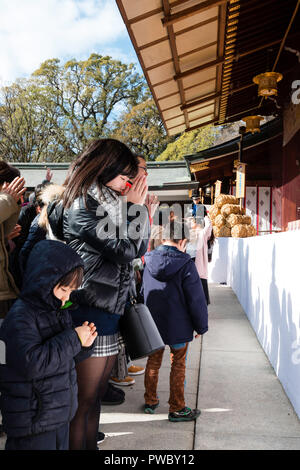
(52, 440)
(177, 377)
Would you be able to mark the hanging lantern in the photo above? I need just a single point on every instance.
(207, 190)
(267, 83)
(252, 123)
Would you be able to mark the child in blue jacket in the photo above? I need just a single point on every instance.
(174, 295)
(38, 382)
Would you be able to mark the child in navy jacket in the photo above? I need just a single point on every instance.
(174, 295)
(38, 382)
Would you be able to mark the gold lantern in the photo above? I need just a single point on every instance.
(267, 83)
(252, 123)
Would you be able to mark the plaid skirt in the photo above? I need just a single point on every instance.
(109, 345)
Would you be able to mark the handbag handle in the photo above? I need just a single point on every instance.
(132, 293)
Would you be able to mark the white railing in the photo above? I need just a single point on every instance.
(264, 274)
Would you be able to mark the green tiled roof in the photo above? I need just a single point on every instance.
(159, 173)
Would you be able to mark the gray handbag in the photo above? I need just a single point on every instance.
(139, 330)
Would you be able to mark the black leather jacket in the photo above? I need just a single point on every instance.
(107, 257)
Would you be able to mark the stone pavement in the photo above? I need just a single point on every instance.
(229, 377)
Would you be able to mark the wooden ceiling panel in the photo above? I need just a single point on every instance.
(161, 74)
(206, 89)
(198, 58)
(195, 19)
(202, 54)
(149, 30)
(175, 121)
(156, 54)
(200, 36)
(169, 102)
(203, 120)
(141, 7)
(200, 112)
(170, 113)
(167, 49)
(176, 130)
(199, 77)
(166, 89)
(183, 4)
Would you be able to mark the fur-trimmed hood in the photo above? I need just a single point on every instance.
(51, 193)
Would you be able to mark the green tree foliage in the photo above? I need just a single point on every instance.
(141, 128)
(52, 115)
(189, 143)
(28, 124)
(87, 92)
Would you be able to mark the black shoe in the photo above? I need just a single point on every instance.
(113, 396)
(150, 409)
(101, 437)
(186, 414)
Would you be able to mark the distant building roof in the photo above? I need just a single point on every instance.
(171, 178)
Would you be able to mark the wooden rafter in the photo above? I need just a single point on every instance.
(175, 17)
(170, 30)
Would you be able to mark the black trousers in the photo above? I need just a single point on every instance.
(205, 288)
(52, 440)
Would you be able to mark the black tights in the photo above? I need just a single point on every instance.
(92, 377)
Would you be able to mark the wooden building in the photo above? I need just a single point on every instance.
(262, 153)
(200, 59)
(170, 181)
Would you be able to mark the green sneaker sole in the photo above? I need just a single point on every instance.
(151, 411)
(184, 418)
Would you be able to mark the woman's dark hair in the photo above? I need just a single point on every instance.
(211, 239)
(38, 190)
(72, 278)
(7, 172)
(101, 161)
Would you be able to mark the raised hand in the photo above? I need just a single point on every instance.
(138, 192)
(49, 175)
(152, 204)
(15, 232)
(15, 188)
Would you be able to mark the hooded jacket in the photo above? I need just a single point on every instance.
(174, 295)
(38, 382)
(108, 271)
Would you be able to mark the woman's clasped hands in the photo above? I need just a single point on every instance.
(87, 333)
(138, 192)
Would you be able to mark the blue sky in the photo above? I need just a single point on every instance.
(32, 31)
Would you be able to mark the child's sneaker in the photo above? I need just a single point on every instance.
(186, 414)
(136, 370)
(122, 382)
(150, 409)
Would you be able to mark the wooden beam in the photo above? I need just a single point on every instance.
(220, 52)
(175, 17)
(144, 16)
(214, 96)
(208, 65)
(170, 31)
(200, 101)
(221, 60)
(201, 125)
